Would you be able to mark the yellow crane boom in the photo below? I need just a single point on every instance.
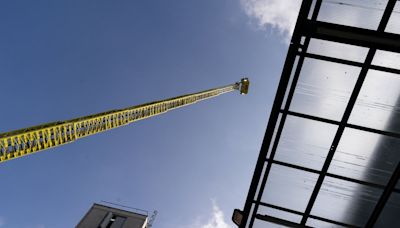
(26, 141)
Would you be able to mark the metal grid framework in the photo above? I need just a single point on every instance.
(308, 27)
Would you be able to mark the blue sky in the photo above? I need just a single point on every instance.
(64, 59)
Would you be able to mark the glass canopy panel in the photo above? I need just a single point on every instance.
(324, 88)
(387, 59)
(390, 214)
(279, 214)
(366, 156)
(305, 142)
(337, 50)
(394, 21)
(345, 201)
(357, 13)
(289, 188)
(321, 224)
(378, 104)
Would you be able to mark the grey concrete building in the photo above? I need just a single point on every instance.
(102, 216)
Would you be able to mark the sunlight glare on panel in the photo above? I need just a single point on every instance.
(378, 104)
(324, 88)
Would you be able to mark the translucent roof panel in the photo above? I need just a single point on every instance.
(337, 50)
(324, 88)
(289, 188)
(394, 21)
(387, 58)
(366, 156)
(378, 104)
(305, 142)
(357, 13)
(344, 201)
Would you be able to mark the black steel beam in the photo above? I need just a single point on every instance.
(374, 185)
(361, 182)
(283, 83)
(352, 35)
(268, 135)
(279, 221)
(384, 197)
(353, 126)
(396, 174)
(332, 221)
(349, 62)
(311, 216)
(279, 208)
(339, 133)
(287, 70)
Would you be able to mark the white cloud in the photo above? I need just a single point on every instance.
(278, 14)
(217, 219)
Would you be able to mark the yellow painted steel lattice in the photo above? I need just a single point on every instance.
(26, 141)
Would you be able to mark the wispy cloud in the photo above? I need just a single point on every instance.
(216, 220)
(277, 14)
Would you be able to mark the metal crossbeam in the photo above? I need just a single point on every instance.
(279, 221)
(311, 216)
(352, 35)
(349, 62)
(366, 183)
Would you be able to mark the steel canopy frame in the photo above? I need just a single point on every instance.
(308, 27)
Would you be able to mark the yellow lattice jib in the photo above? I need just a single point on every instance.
(26, 141)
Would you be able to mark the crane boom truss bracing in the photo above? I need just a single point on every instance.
(34, 139)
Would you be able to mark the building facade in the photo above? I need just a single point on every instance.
(102, 216)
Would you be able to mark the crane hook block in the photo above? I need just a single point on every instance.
(244, 86)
